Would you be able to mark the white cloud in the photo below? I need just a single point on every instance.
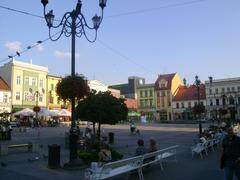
(40, 47)
(13, 46)
(65, 55)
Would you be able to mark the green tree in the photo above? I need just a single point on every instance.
(101, 108)
(198, 109)
(72, 86)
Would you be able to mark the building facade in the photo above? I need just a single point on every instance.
(146, 100)
(166, 87)
(129, 90)
(28, 83)
(54, 101)
(223, 98)
(185, 100)
(5, 97)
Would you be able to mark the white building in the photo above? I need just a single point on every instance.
(99, 86)
(223, 98)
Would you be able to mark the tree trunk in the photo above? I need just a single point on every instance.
(94, 131)
(99, 131)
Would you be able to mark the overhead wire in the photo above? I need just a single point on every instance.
(111, 16)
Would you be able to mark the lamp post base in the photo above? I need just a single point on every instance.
(73, 143)
(75, 164)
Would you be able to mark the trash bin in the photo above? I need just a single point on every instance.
(111, 138)
(53, 156)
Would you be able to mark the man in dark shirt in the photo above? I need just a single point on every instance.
(231, 151)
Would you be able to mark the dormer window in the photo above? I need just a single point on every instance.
(163, 84)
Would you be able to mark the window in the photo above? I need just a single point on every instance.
(146, 93)
(141, 103)
(26, 81)
(151, 103)
(41, 83)
(223, 90)
(5, 98)
(211, 102)
(26, 96)
(177, 105)
(182, 105)
(189, 104)
(18, 96)
(228, 89)
(163, 93)
(163, 103)
(210, 91)
(233, 89)
(162, 85)
(223, 101)
(158, 94)
(141, 93)
(18, 80)
(40, 99)
(34, 83)
(238, 100)
(52, 87)
(146, 103)
(217, 102)
(238, 88)
(216, 90)
(150, 93)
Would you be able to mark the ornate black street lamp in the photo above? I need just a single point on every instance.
(210, 98)
(197, 83)
(36, 108)
(73, 24)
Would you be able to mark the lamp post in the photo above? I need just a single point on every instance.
(73, 24)
(210, 94)
(36, 95)
(197, 83)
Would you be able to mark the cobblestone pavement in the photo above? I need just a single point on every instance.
(19, 164)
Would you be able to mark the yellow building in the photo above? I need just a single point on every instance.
(165, 88)
(28, 83)
(54, 101)
(146, 100)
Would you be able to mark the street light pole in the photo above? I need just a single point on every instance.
(73, 24)
(198, 82)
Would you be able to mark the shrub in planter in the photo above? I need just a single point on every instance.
(88, 156)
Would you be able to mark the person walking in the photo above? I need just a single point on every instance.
(230, 159)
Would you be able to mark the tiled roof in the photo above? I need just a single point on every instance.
(190, 93)
(3, 85)
(166, 77)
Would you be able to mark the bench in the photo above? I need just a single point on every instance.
(112, 169)
(29, 146)
(135, 163)
(199, 148)
(160, 156)
(33, 147)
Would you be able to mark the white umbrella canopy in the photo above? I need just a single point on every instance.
(64, 113)
(25, 112)
(46, 112)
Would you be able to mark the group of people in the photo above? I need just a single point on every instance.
(5, 131)
(105, 155)
(141, 149)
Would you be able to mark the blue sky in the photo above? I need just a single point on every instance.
(141, 38)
